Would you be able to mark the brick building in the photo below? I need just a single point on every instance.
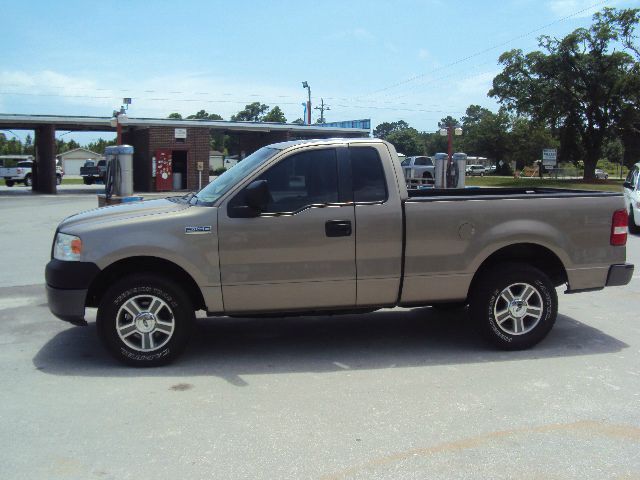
(169, 154)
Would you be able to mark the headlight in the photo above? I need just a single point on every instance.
(67, 247)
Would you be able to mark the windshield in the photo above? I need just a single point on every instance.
(222, 184)
(406, 162)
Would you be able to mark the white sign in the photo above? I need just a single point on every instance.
(550, 154)
(200, 166)
(181, 133)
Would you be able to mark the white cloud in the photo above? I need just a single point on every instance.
(424, 54)
(154, 96)
(476, 86)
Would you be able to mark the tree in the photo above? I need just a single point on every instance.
(579, 84)
(448, 121)
(275, 115)
(99, 145)
(526, 141)
(387, 128)
(407, 141)
(251, 113)
(29, 148)
(484, 133)
(175, 116)
(299, 121)
(203, 115)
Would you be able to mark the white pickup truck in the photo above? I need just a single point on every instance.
(21, 172)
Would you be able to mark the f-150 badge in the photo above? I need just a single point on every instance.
(197, 230)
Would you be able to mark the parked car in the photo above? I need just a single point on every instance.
(93, 173)
(418, 170)
(475, 170)
(631, 189)
(21, 172)
(601, 174)
(312, 226)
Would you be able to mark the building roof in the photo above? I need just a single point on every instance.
(64, 154)
(80, 123)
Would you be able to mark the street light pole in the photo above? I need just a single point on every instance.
(306, 85)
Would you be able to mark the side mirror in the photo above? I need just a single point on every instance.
(257, 195)
(627, 185)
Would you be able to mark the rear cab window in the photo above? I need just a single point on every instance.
(367, 172)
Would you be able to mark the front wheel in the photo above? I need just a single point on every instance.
(145, 321)
(9, 183)
(58, 179)
(514, 305)
(28, 181)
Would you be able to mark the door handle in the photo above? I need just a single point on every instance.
(338, 228)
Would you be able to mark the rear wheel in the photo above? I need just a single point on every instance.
(9, 183)
(28, 181)
(514, 305)
(145, 321)
(58, 179)
(87, 180)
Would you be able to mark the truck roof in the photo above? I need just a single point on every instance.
(323, 141)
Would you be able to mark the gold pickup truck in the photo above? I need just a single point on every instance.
(328, 226)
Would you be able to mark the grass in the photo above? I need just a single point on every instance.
(72, 181)
(614, 185)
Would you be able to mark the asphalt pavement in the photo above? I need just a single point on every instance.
(397, 394)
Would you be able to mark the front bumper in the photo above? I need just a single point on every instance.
(620, 274)
(67, 305)
(67, 287)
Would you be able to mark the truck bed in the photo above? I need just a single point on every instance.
(491, 193)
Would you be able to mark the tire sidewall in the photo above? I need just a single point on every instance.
(484, 303)
(119, 294)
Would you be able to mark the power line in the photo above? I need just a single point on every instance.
(481, 52)
(209, 101)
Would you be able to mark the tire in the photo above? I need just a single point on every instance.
(9, 183)
(58, 179)
(28, 181)
(633, 226)
(145, 321)
(530, 315)
(87, 180)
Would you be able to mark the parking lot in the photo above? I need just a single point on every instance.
(397, 394)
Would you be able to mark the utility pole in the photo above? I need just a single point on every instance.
(322, 109)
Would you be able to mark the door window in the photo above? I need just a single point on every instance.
(303, 179)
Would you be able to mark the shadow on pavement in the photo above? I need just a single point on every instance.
(232, 347)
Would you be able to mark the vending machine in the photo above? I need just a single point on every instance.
(164, 180)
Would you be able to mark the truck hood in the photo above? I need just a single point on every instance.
(122, 211)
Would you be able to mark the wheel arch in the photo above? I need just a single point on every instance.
(532, 254)
(144, 264)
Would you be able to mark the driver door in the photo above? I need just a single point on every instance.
(299, 252)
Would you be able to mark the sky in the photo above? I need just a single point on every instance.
(416, 61)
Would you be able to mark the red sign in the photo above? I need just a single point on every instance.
(164, 176)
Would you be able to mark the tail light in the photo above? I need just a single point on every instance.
(619, 227)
